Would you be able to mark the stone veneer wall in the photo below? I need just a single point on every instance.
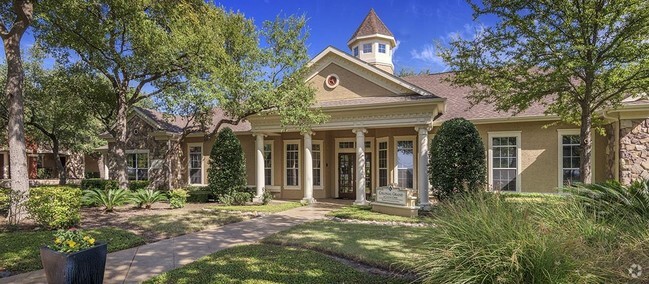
(634, 150)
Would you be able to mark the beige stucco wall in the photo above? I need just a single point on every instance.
(351, 85)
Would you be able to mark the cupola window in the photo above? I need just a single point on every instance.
(367, 48)
(381, 48)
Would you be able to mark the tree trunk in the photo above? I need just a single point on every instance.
(16, 127)
(63, 175)
(586, 144)
(118, 151)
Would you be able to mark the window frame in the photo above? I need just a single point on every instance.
(189, 164)
(272, 162)
(148, 162)
(560, 168)
(366, 45)
(499, 134)
(385, 48)
(299, 163)
(387, 161)
(321, 151)
(415, 155)
(355, 51)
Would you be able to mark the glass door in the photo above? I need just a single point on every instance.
(346, 177)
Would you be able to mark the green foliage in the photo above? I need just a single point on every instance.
(227, 171)
(485, 238)
(236, 198)
(614, 200)
(5, 201)
(108, 198)
(71, 240)
(44, 173)
(266, 198)
(269, 264)
(97, 183)
(269, 208)
(365, 213)
(178, 198)
(55, 206)
(199, 196)
(135, 185)
(146, 197)
(19, 250)
(457, 159)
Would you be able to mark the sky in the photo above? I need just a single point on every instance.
(416, 24)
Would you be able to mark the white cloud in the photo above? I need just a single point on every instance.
(396, 47)
(428, 54)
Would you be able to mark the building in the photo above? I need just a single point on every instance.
(379, 132)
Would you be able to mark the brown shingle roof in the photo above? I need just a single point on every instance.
(371, 25)
(457, 104)
(176, 124)
(375, 100)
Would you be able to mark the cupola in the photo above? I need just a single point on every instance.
(373, 43)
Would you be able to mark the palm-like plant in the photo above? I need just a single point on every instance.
(612, 198)
(146, 197)
(107, 198)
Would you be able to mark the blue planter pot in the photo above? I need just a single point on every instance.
(86, 266)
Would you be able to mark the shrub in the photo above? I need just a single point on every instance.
(72, 240)
(457, 159)
(178, 198)
(227, 173)
(5, 200)
(108, 198)
(44, 173)
(88, 175)
(199, 196)
(146, 197)
(266, 198)
(612, 199)
(55, 206)
(96, 183)
(136, 185)
(236, 198)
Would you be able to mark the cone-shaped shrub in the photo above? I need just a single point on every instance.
(457, 159)
(227, 172)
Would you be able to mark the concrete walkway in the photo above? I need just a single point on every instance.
(137, 264)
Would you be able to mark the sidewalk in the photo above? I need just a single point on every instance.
(137, 264)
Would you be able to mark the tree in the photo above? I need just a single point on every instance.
(186, 54)
(16, 17)
(457, 159)
(227, 172)
(575, 57)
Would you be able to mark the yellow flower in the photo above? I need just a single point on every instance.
(72, 243)
(86, 238)
(58, 241)
(91, 241)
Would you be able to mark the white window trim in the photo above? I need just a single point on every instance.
(272, 162)
(322, 175)
(385, 48)
(371, 48)
(519, 156)
(387, 157)
(415, 163)
(562, 132)
(189, 162)
(338, 150)
(148, 162)
(299, 163)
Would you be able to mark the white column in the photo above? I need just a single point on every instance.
(422, 167)
(259, 166)
(308, 168)
(360, 166)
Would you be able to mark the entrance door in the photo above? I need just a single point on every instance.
(368, 175)
(346, 176)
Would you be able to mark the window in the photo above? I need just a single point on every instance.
(268, 163)
(367, 48)
(137, 166)
(383, 163)
(569, 160)
(356, 51)
(292, 164)
(316, 150)
(405, 163)
(196, 164)
(346, 145)
(504, 161)
(381, 48)
(39, 161)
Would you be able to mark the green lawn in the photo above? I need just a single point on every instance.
(268, 208)
(390, 247)
(268, 264)
(365, 213)
(19, 251)
(171, 225)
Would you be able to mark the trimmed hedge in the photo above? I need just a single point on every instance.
(199, 196)
(55, 207)
(97, 183)
(136, 185)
